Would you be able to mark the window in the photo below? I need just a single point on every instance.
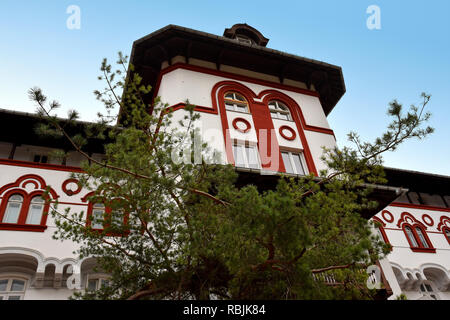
(12, 289)
(235, 102)
(40, 158)
(246, 156)
(279, 111)
(293, 162)
(244, 39)
(97, 217)
(13, 209)
(411, 237)
(97, 282)
(110, 216)
(22, 211)
(35, 210)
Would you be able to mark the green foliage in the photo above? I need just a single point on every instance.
(184, 230)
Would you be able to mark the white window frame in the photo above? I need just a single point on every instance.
(243, 147)
(292, 163)
(235, 103)
(41, 203)
(98, 206)
(98, 278)
(6, 215)
(278, 108)
(6, 294)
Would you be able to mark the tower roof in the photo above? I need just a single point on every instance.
(149, 52)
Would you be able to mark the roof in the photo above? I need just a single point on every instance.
(150, 51)
(19, 127)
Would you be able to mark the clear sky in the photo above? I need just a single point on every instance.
(408, 55)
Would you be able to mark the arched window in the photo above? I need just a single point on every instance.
(35, 210)
(13, 209)
(411, 237)
(235, 102)
(279, 111)
(415, 233)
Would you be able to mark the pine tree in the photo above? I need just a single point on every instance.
(186, 230)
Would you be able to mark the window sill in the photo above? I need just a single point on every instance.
(426, 250)
(22, 227)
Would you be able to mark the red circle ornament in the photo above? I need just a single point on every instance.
(248, 126)
(291, 131)
(68, 191)
(387, 216)
(427, 220)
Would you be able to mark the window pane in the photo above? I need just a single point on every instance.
(252, 157)
(18, 285)
(14, 298)
(422, 237)
(298, 163)
(97, 219)
(287, 162)
(3, 284)
(92, 285)
(35, 212)
(282, 116)
(241, 108)
(239, 97)
(428, 287)
(447, 233)
(238, 156)
(104, 283)
(229, 106)
(274, 114)
(411, 236)
(12, 212)
(229, 95)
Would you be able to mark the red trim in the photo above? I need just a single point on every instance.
(445, 235)
(443, 222)
(196, 108)
(298, 118)
(23, 214)
(235, 126)
(424, 217)
(239, 78)
(70, 192)
(385, 212)
(180, 65)
(381, 228)
(293, 134)
(403, 223)
(320, 129)
(418, 206)
(47, 166)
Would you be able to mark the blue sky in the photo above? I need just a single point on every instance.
(408, 55)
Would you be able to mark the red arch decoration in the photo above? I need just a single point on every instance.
(18, 187)
(297, 116)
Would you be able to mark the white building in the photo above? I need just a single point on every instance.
(270, 106)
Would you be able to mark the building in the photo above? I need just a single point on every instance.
(248, 95)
